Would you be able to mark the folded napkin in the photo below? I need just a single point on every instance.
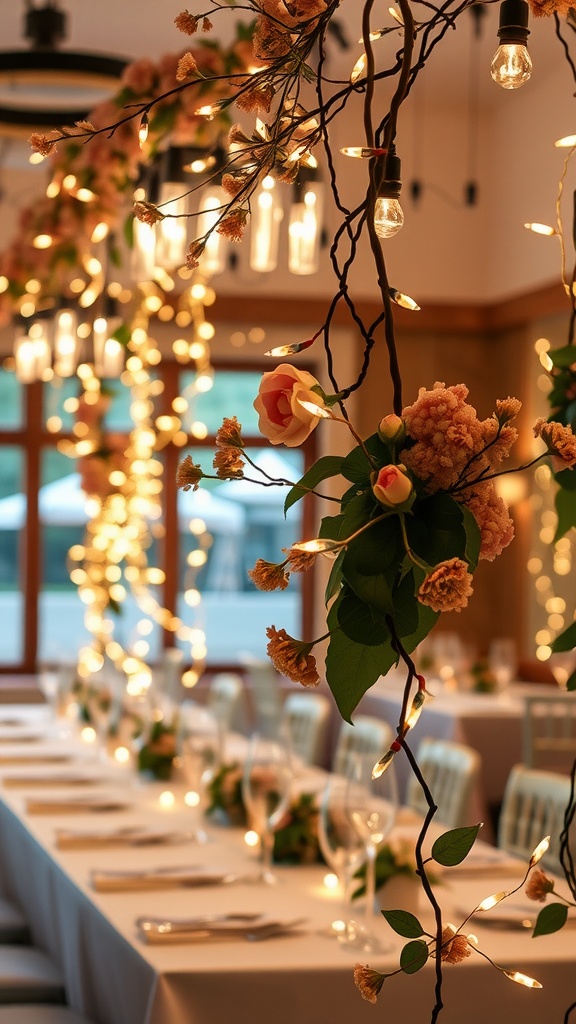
(80, 839)
(489, 860)
(252, 927)
(74, 805)
(158, 878)
(37, 776)
(33, 757)
(20, 733)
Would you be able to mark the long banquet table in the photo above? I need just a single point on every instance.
(114, 977)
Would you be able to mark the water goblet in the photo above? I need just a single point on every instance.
(102, 706)
(266, 793)
(372, 805)
(503, 661)
(198, 748)
(341, 847)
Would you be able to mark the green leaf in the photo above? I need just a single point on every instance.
(331, 527)
(359, 623)
(571, 681)
(565, 641)
(405, 605)
(356, 466)
(413, 956)
(452, 847)
(436, 529)
(426, 620)
(403, 923)
(369, 565)
(550, 919)
(563, 357)
(128, 231)
(566, 478)
(473, 538)
(357, 512)
(565, 503)
(123, 334)
(327, 466)
(352, 668)
(335, 578)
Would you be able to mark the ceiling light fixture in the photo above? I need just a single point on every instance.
(44, 87)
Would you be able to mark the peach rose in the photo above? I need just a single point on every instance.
(282, 419)
(392, 487)
(391, 428)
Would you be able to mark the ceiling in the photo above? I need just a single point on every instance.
(145, 28)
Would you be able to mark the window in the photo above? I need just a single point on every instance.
(220, 529)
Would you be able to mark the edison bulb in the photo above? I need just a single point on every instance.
(511, 65)
(388, 216)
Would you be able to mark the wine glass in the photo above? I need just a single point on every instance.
(266, 792)
(137, 709)
(101, 702)
(341, 846)
(372, 805)
(199, 753)
(503, 661)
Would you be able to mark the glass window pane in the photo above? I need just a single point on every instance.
(232, 395)
(12, 522)
(224, 528)
(11, 400)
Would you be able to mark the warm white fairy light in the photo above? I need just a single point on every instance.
(540, 229)
(539, 852)
(522, 979)
(491, 901)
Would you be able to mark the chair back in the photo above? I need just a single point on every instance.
(305, 716)
(226, 699)
(368, 735)
(533, 807)
(451, 771)
(549, 731)
(265, 694)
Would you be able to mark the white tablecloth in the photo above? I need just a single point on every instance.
(115, 978)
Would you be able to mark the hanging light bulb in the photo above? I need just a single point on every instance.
(108, 351)
(32, 353)
(66, 343)
(388, 214)
(212, 202)
(171, 232)
(305, 228)
(264, 226)
(511, 64)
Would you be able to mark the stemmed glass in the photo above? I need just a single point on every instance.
(102, 704)
(341, 846)
(503, 661)
(199, 753)
(266, 792)
(372, 805)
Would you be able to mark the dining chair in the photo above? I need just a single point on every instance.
(40, 1013)
(549, 731)
(29, 975)
(14, 929)
(226, 700)
(305, 716)
(533, 807)
(450, 771)
(265, 693)
(368, 735)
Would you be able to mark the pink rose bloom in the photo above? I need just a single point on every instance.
(392, 487)
(282, 419)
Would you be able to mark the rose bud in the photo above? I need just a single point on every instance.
(392, 428)
(392, 487)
